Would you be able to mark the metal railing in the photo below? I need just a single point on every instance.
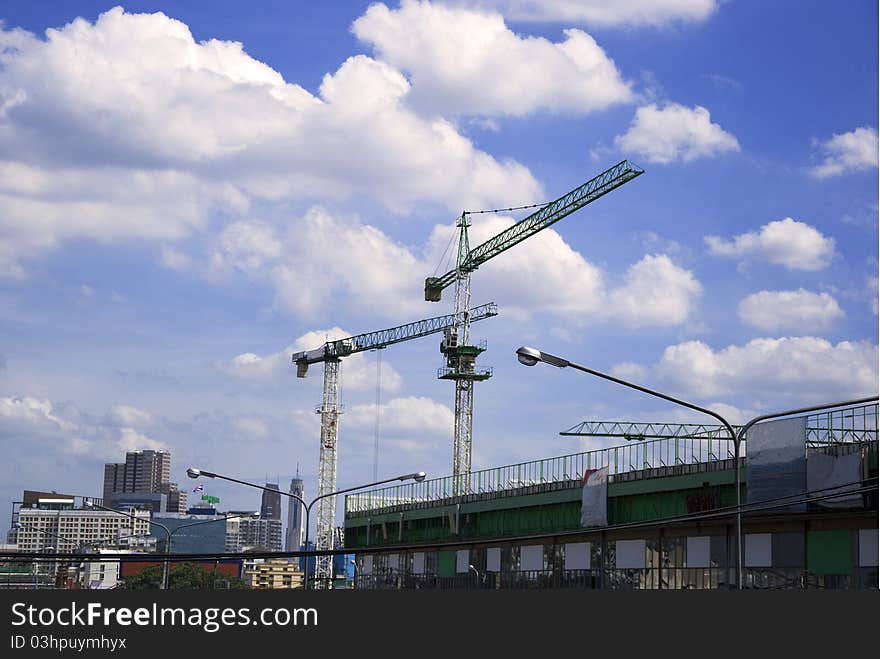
(639, 459)
(846, 426)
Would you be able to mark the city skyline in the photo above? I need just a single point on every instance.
(189, 193)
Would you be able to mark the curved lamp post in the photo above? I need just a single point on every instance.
(91, 504)
(531, 356)
(192, 472)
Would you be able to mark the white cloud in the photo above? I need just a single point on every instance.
(190, 130)
(356, 373)
(131, 440)
(32, 411)
(412, 416)
(547, 276)
(656, 293)
(311, 275)
(799, 311)
(65, 428)
(464, 61)
(674, 132)
(787, 242)
(252, 426)
(630, 371)
(848, 152)
(600, 13)
(127, 415)
(805, 369)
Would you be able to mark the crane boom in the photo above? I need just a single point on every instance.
(382, 338)
(596, 187)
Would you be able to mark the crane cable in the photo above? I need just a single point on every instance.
(378, 413)
(504, 210)
(491, 210)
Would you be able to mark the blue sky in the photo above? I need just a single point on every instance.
(177, 213)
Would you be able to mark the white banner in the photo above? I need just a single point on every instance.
(594, 500)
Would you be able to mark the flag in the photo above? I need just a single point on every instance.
(199, 488)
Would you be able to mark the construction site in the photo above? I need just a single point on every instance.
(673, 506)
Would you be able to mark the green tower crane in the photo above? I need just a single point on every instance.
(461, 354)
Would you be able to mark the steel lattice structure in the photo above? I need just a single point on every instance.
(331, 354)
(460, 354)
(640, 431)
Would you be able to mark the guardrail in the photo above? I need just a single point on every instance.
(618, 459)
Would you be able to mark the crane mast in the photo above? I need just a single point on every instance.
(461, 356)
(331, 354)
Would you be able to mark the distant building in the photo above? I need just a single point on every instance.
(70, 530)
(142, 471)
(274, 573)
(295, 529)
(176, 498)
(271, 504)
(190, 534)
(100, 575)
(143, 479)
(247, 529)
(156, 502)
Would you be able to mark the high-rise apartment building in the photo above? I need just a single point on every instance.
(295, 528)
(143, 480)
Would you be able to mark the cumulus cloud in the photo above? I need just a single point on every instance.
(311, 276)
(806, 369)
(600, 13)
(128, 415)
(131, 440)
(357, 372)
(799, 311)
(463, 61)
(412, 416)
(656, 293)
(548, 276)
(787, 242)
(64, 427)
(848, 152)
(190, 130)
(675, 132)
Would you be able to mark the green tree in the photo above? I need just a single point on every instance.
(184, 576)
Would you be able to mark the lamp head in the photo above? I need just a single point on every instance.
(419, 477)
(193, 473)
(531, 356)
(528, 356)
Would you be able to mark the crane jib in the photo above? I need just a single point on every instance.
(596, 187)
(382, 338)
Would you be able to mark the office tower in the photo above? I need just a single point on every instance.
(295, 528)
(271, 504)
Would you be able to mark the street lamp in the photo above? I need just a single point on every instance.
(476, 571)
(531, 356)
(418, 477)
(91, 504)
